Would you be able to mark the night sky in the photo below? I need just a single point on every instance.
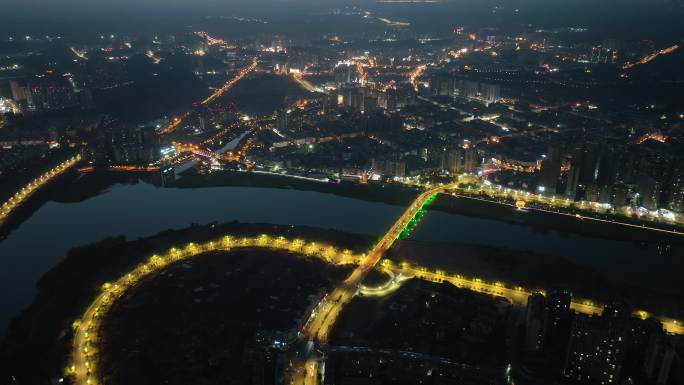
(653, 19)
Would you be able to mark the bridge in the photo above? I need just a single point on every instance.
(231, 156)
(315, 332)
(324, 316)
(320, 325)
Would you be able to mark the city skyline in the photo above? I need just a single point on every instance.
(338, 193)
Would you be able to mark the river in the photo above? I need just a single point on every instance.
(139, 210)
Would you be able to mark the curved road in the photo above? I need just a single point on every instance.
(305, 371)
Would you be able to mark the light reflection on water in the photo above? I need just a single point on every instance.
(142, 210)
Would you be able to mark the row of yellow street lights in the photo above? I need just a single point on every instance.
(25, 192)
(84, 347)
(474, 185)
(516, 294)
(85, 350)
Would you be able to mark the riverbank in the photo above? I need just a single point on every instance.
(70, 187)
(74, 187)
(36, 201)
(386, 193)
(548, 221)
(403, 195)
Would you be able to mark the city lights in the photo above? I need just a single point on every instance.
(546, 161)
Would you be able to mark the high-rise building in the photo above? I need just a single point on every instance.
(454, 161)
(356, 101)
(592, 192)
(442, 84)
(282, 118)
(606, 167)
(572, 182)
(396, 168)
(470, 162)
(490, 92)
(126, 144)
(602, 55)
(627, 168)
(638, 334)
(549, 173)
(621, 195)
(605, 193)
(660, 359)
(595, 351)
(437, 157)
(617, 311)
(649, 192)
(343, 74)
(555, 327)
(588, 174)
(675, 201)
(467, 88)
(391, 99)
(534, 323)
(203, 121)
(370, 104)
(19, 91)
(49, 93)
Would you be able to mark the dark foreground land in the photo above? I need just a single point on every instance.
(220, 318)
(535, 271)
(224, 316)
(419, 333)
(36, 347)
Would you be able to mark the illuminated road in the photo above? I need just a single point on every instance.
(362, 73)
(78, 53)
(150, 54)
(305, 367)
(214, 41)
(22, 195)
(415, 74)
(324, 316)
(393, 283)
(517, 295)
(473, 187)
(320, 325)
(230, 83)
(305, 84)
(237, 155)
(175, 122)
(576, 216)
(649, 58)
(84, 354)
(84, 349)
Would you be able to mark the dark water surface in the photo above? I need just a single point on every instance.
(142, 209)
